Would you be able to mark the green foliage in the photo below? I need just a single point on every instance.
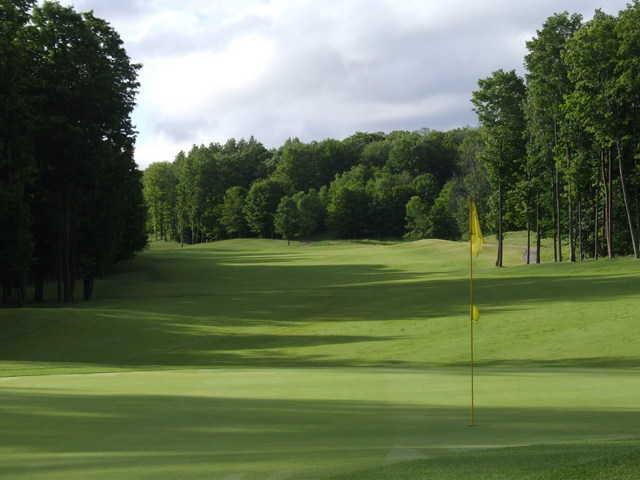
(298, 165)
(443, 223)
(311, 165)
(160, 183)
(311, 212)
(628, 68)
(287, 219)
(16, 155)
(261, 204)
(232, 213)
(418, 153)
(376, 154)
(438, 219)
(324, 178)
(348, 209)
(204, 175)
(591, 58)
(75, 197)
(418, 218)
(389, 195)
(499, 103)
(426, 187)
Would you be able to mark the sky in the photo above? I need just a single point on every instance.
(312, 69)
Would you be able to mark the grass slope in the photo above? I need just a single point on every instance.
(250, 359)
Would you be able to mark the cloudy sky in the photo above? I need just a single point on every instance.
(312, 69)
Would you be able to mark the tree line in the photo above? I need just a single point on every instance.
(71, 201)
(367, 185)
(562, 144)
(556, 154)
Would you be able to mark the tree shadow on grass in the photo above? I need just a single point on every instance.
(267, 292)
(167, 311)
(184, 436)
(519, 365)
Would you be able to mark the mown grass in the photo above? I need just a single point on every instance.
(251, 359)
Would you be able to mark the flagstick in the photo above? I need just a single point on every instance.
(471, 314)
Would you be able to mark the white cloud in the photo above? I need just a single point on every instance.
(281, 68)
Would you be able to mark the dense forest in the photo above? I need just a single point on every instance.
(367, 185)
(556, 154)
(71, 202)
(562, 145)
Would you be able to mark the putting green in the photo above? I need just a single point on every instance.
(250, 359)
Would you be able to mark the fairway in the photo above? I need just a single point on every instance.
(251, 359)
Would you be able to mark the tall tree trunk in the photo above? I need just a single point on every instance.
(572, 240)
(626, 202)
(538, 229)
(528, 241)
(6, 291)
(68, 278)
(66, 267)
(553, 215)
(528, 208)
(610, 206)
(607, 211)
(558, 228)
(88, 287)
(572, 231)
(38, 281)
(59, 254)
(595, 223)
(21, 288)
(637, 197)
(580, 230)
(500, 234)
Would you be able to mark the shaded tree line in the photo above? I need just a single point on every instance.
(71, 201)
(562, 144)
(367, 185)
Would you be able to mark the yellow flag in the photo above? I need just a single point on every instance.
(475, 313)
(475, 234)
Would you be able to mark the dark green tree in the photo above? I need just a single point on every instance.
(418, 219)
(311, 211)
(17, 165)
(88, 190)
(499, 103)
(547, 86)
(232, 212)
(443, 224)
(261, 205)
(160, 197)
(287, 219)
(593, 61)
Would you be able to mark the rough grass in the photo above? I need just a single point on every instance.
(347, 360)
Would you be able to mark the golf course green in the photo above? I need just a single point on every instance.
(251, 359)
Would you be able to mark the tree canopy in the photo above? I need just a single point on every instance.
(71, 198)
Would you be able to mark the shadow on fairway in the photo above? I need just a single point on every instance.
(529, 365)
(273, 288)
(164, 311)
(54, 431)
